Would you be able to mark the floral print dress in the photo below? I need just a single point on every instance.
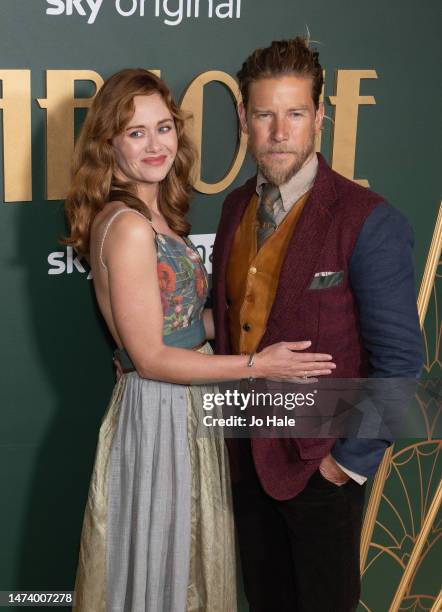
(183, 283)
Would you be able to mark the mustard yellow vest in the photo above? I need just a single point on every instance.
(252, 275)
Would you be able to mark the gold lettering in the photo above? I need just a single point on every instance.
(17, 145)
(60, 103)
(192, 102)
(347, 101)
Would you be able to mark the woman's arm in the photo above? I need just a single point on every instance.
(136, 308)
(209, 326)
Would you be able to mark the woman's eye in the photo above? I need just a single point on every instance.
(165, 128)
(136, 134)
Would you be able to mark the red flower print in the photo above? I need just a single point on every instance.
(166, 277)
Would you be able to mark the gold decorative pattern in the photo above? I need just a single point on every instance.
(430, 269)
(409, 529)
(373, 506)
(437, 607)
(418, 541)
(417, 550)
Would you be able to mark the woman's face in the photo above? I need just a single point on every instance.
(146, 149)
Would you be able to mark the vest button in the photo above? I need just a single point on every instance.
(246, 327)
(253, 270)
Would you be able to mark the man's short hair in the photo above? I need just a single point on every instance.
(283, 57)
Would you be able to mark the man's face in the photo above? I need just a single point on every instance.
(281, 122)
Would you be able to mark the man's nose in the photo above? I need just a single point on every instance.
(280, 129)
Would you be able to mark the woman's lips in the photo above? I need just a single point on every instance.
(155, 161)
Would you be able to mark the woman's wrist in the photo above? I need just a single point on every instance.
(255, 370)
(250, 364)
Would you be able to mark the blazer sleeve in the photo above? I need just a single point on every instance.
(382, 279)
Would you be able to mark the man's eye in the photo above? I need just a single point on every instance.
(296, 114)
(263, 115)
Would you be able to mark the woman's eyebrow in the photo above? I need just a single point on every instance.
(137, 127)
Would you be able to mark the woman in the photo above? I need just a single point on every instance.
(157, 533)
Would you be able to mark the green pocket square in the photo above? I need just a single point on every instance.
(324, 280)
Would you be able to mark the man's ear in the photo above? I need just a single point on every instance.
(242, 117)
(319, 117)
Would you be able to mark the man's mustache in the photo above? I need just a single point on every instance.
(278, 150)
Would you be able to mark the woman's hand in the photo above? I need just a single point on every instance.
(282, 361)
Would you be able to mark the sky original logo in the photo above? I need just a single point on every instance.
(65, 262)
(171, 11)
(85, 8)
(68, 261)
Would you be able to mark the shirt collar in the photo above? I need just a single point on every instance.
(295, 188)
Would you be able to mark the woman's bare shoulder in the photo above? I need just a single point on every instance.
(111, 215)
(106, 213)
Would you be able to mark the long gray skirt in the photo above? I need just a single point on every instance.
(158, 528)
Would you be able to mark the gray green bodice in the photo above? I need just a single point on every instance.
(182, 279)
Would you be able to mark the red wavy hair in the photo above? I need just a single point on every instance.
(94, 182)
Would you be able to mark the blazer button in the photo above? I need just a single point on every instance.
(246, 327)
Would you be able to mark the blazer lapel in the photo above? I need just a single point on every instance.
(232, 212)
(306, 243)
(230, 220)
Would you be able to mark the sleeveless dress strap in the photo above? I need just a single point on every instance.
(109, 223)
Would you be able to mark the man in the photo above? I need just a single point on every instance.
(302, 253)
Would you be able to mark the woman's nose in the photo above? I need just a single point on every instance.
(152, 142)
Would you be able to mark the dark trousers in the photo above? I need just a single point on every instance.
(302, 554)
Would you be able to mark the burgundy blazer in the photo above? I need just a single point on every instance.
(323, 241)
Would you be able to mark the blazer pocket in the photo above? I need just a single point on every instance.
(325, 280)
(313, 449)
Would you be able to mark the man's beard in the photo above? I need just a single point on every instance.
(277, 173)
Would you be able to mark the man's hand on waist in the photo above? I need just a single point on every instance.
(331, 471)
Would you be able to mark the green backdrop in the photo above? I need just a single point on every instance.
(56, 355)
